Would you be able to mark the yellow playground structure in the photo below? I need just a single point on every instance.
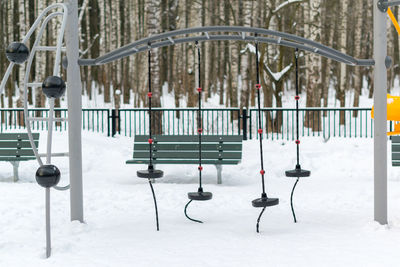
(393, 113)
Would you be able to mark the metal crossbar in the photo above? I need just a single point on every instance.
(202, 34)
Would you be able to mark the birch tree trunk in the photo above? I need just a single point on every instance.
(153, 27)
(22, 31)
(314, 68)
(357, 53)
(245, 20)
(341, 92)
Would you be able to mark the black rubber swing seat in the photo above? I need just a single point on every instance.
(200, 196)
(150, 174)
(265, 202)
(298, 173)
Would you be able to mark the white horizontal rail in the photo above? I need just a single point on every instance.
(46, 119)
(65, 154)
(49, 48)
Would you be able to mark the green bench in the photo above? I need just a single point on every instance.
(395, 150)
(217, 150)
(15, 147)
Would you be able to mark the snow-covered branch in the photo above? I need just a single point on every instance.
(284, 4)
(278, 75)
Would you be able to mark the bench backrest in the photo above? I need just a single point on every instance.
(214, 147)
(16, 145)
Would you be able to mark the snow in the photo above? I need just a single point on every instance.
(278, 8)
(278, 75)
(334, 208)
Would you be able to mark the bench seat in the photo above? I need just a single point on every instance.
(217, 150)
(15, 147)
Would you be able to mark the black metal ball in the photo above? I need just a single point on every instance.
(48, 176)
(53, 87)
(17, 52)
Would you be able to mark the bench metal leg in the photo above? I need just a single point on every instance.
(219, 173)
(15, 170)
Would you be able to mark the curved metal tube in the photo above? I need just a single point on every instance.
(281, 38)
(28, 69)
(62, 188)
(214, 38)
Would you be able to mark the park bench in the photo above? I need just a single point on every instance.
(395, 151)
(15, 147)
(217, 150)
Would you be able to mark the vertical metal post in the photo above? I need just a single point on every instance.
(48, 232)
(74, 89)
(113, 122)
(108, 123)
(119, 121)
(244, 120)
(380, 110)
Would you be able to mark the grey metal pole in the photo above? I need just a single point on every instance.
(380, 114)
(74, 89)
(48, 233)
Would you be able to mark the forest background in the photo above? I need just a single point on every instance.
(228, 68)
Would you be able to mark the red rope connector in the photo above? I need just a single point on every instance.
(297, 142)
(262, 172)
(258, 86)
(260, 131)
(150, 141)
(297, 97)
(199, 130)
(200, 168)
(199, 89)
(149, 94)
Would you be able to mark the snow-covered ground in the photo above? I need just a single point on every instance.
(334, 209)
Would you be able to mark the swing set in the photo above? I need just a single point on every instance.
(48, 175)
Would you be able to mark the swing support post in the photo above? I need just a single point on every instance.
(380, 114)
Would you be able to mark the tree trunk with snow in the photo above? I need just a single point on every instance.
(341, 90)
(357, 53)
(312, 119)
(153, 27)
(245, 73)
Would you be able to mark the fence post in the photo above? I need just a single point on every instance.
(244, 119)
(108, 122)
(113, 118)
(119, 122)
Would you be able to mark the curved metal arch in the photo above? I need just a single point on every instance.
(33, 28)
(259, 34)
(27, 71)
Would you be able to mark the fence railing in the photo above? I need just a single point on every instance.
(278, 123)
(96, 120)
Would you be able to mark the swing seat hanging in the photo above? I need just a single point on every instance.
(150, 173)
(200, 196)
(265, 202)
(298, 173)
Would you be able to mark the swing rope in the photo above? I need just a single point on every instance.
(260, 133)
(187, 216)
(155, 204)
(291, 201)
(297, 98)
(298, 172)
(200, 195)
(199, 116)
(258, 220)
(260, 130)
(150, 94)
